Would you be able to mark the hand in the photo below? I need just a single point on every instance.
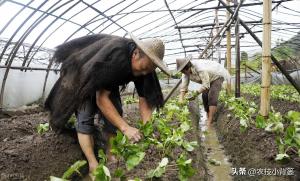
(132, 133)
(193, 95)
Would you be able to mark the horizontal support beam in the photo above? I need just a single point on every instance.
(28, 68)
(212, 24)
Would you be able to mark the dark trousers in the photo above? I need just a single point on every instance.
(210, 97)
(86, 114)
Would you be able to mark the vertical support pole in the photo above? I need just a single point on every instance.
(217, 30)
(228, 51)
(245, 73)
(238, 56)
(266, 59)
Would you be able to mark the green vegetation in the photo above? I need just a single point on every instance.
(284, 50)
(42, 128)
(282, 92)
(73, 169)
(165, 132)
(287, 137)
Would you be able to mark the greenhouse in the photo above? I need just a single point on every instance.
(150, 90)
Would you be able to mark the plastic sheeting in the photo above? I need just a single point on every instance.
(277, 78)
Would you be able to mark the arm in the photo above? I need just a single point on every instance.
(184, 86)
(110, 112)
(204, 76)
(145, 109)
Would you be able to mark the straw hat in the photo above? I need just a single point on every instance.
(182, 62)
(155, 49)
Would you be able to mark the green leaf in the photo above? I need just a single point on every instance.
(118, 144)
(102, 156)
(102, 173)
(119, 173)
(290, 131)
(160, 170)
(243, 124)
(185, 126)
(214, 162)
(42, 128)
(293, 116)
(269, 127)
(189, 146)
(275, 127)
(164, 162)
(147, 129)
(106, 171)
(134, 160)
(281, 145)
(185, 167)
(260, 122)
(251, 110)
(74, 168)
(281, 156)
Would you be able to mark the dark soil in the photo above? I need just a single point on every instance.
(254, 148)
(27, 155)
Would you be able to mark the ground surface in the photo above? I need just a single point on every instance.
(27, 155)
(254, 148)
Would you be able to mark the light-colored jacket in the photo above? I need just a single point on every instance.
(204, 72)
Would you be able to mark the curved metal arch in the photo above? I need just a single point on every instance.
(55, 31)
(163, 29)
(10, 60)
(103, 14)
(138, 19)
(28, 31)
(17, 30)
(44, 31)
(91, 20)
(171, 18)
(43, 12)
(16, 15)
(120, 17)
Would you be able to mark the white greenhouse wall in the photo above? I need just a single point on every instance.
(23, 88)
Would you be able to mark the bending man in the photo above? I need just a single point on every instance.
(210, 75)
(93, 68)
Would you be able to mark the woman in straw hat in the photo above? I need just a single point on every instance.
(210, 75)
(93, 68)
